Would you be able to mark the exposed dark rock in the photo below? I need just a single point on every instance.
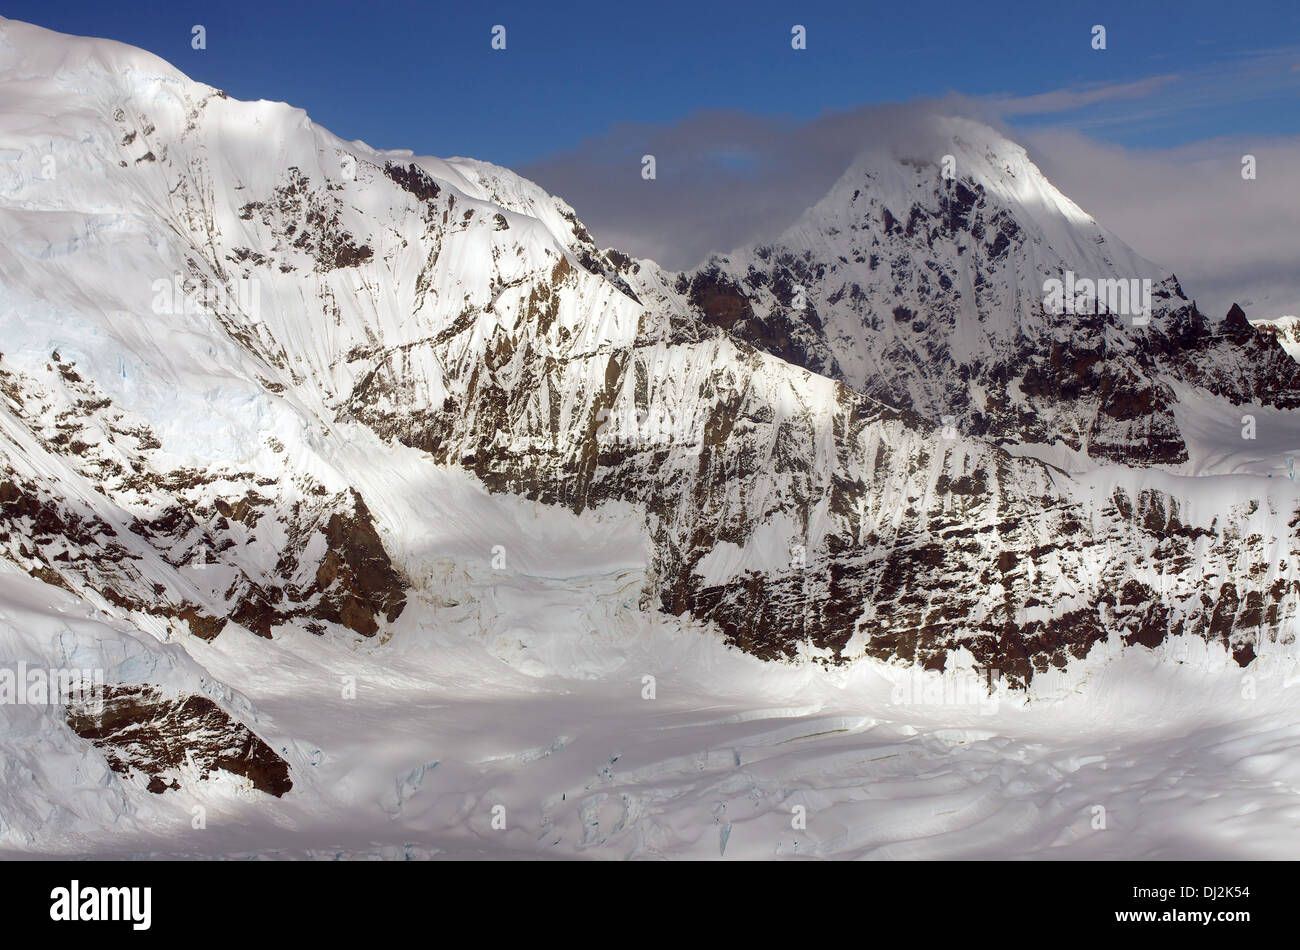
(143, 731)
(414, 179)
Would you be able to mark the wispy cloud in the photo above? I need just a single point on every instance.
(1067, 100)
(1229, 239)
(1158, 103)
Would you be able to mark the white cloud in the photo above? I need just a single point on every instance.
(1229, 240)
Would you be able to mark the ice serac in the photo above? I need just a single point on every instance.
(194, 466)
(919, 279)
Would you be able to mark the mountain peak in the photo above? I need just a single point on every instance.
(940, 157)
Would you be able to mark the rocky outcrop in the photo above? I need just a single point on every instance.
(169, 740)
(894, 542)
(120, 527)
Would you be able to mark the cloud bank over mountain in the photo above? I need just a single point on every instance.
(727, 178)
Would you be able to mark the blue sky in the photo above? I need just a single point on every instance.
(423, 75)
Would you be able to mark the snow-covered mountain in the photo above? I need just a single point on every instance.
(238, 350)
(919, 279)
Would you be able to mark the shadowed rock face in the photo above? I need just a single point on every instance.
(924, 594)
(1285, 330)
(169, 739)
(356, 578)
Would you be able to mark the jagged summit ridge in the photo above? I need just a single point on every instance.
(922, 278)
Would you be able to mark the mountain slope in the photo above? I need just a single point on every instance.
(232, 340)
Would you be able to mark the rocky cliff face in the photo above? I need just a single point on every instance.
(89, 502)
(808, 519)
